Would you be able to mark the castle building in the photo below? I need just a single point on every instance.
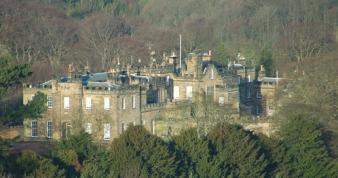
(159, 97)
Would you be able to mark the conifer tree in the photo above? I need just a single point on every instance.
(11, 74)
(305, 152)
(197, 155)
(137, 153)
(240, 149)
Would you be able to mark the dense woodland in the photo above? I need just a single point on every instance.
(54, 33)
(39, 38)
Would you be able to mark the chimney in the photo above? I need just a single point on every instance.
(87, 68)
(71, 70)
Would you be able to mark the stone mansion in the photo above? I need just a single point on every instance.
(159, 96)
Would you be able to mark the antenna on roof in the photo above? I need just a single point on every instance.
(277, 78)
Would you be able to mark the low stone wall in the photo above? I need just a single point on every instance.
(11, 133)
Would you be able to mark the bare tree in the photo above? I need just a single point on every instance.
(100, 33)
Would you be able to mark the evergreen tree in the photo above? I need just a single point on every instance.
(97, 165)
(46, 169)
(240, 149)
(196, 154)
(71, 153)
(137, 153)
(11, 75)
(305, 152)
(267, 61)
(36, 106)
(32, 110)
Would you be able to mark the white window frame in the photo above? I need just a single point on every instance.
(123, 127)
(49, 102)
(176, 92)
(106, 104)
(153, 126)
(49, 129)
(34, 129)
(212, 77)
(88, 103)
(106, 131)
(123, 103)
(221, 100)
(189, 92)
(89, 128)
(133, 101)
(66, 102)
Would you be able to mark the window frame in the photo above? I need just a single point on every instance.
(49, 129)
(221, 100)
(49, 102)
(123, 103)
(106, 103)
(106, 131)
(212, 75)
(35, 129)
(89, 128)
(133, 101)
(176, 92)
(88, 103)
(66, 102)
(189, 93)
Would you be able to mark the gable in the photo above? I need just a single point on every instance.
(210, 73)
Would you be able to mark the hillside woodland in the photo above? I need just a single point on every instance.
(297, 38)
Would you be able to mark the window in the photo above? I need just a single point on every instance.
(176, 92)
(212, 74)
(66, 102)
(106, 131)
(88, 103)
(210, 90)
(258, 112)
(123, 103)
(123, 127)
(49, 129)
(221, 100)
(88, 128)
(153, 126)
(134, 102)
(258, 95)
(249, 93)
(49, 102)
(189, 92)
(34, 126)
(106, 103)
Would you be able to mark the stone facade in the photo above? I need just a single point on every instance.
(158, 97)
